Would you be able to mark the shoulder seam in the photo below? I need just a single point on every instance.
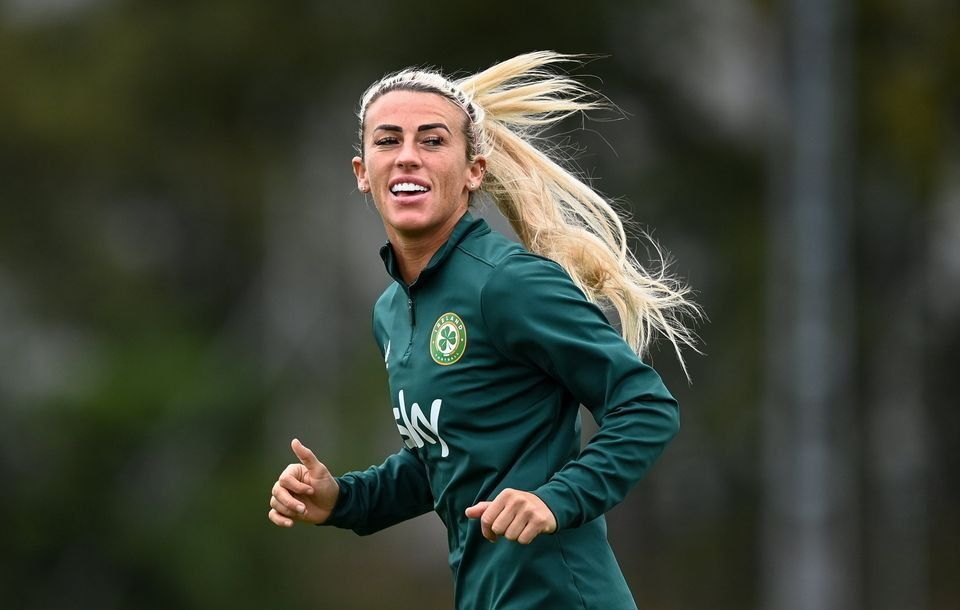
(475, 257)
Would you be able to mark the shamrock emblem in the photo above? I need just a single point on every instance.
(448, 339)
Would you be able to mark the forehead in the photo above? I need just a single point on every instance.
(414, 108)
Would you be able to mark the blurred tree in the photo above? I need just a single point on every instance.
(810, 559)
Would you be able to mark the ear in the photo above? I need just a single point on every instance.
(476, 170)
(360, 171)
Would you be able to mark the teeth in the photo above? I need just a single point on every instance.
(408, 187)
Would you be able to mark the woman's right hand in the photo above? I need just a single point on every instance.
(304, 492)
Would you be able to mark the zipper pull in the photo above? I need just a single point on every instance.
(413, 317)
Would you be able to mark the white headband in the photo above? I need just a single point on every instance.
(429, 80)
(419, 80)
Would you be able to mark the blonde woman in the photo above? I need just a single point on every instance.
(491, 347)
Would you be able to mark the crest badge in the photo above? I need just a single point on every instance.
(448, 340)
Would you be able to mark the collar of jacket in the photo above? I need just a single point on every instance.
(464, 227)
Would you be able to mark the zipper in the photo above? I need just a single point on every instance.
(412, 314)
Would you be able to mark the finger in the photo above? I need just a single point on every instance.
(529, 532)
(475, 511)
(488, 518)
(286, 499)
(286, 511)
(290, 481)
(279, 519)
(515, 528)
(506, 517)
(306, 457)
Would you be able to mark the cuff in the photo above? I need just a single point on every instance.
(559, 499)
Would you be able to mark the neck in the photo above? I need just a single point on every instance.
(414, 251)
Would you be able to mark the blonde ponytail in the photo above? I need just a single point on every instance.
(553, 212)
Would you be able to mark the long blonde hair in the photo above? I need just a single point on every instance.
(554, 213)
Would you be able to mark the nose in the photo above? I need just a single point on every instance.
(408, 155)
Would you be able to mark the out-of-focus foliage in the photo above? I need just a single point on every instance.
(186, 273)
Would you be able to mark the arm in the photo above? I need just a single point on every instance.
(383, 495)
(365, 502)
(549, 325)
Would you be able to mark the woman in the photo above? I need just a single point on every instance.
(490, 347)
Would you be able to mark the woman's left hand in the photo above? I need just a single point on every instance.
(515, 515)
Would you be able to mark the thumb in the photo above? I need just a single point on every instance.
(306, 457)
(475, 511)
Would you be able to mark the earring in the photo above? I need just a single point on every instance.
(364, 188)
(472, 186)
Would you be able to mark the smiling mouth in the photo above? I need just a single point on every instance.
(405, 189)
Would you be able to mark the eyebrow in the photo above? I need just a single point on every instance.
(426, 127)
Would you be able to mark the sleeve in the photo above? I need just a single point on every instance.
(538, 316)
(381, 496)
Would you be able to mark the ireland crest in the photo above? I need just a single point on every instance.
(448, 339)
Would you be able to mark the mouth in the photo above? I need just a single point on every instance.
(402, 188)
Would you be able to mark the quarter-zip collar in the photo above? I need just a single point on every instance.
(464, 227)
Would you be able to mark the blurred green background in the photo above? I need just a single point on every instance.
(187, 271)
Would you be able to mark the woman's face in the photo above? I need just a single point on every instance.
(415, 163)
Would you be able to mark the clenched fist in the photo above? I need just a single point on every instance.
(515, 515)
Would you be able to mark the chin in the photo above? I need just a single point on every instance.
(410, 222)
(414, 229)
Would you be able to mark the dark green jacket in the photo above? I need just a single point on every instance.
(489, 354)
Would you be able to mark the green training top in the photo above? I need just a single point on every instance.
(489, 353)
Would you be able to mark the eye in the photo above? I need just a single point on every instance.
(433, 140)
(386, 141)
